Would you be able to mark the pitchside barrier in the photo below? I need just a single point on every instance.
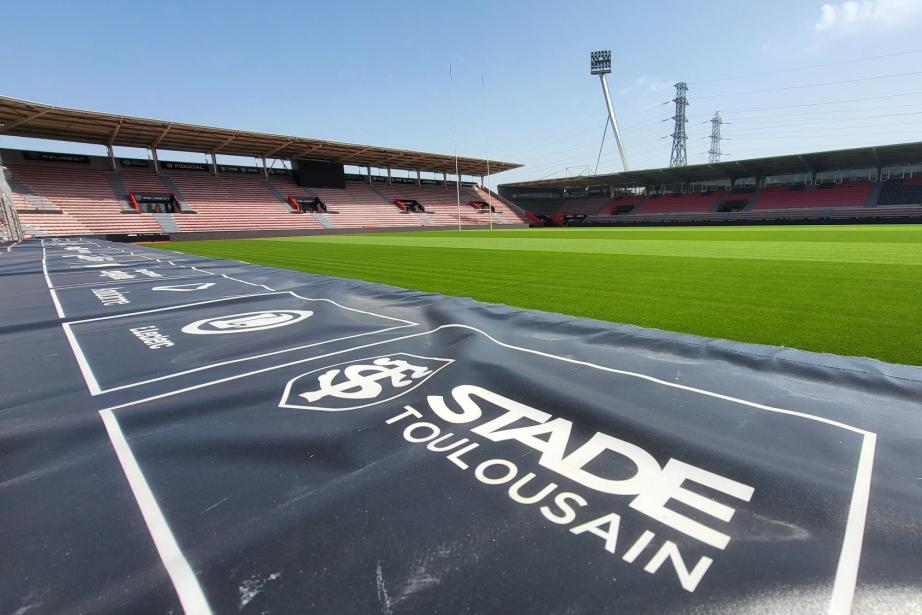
(180, 433)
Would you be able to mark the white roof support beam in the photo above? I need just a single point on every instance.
(224, 143)
(24, 120)
(358, 153)
(309, 150)
(270, 153)
(160, 137)
(114, 136)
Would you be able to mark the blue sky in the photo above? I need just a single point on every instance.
(377, 72)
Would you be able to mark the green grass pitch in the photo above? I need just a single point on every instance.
(852, 290)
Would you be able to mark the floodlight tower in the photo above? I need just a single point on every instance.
(678, 158)
(714, 153)
(600, 64)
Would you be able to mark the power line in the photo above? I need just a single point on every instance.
(578, 164)
(542, 145)
(872, 133)
(781, 130)
(812, 85)
(827, 102)
(579, 145)
(783, 123)
(797, 68)
(783, 117)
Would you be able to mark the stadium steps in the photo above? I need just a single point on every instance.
(40, 204)
(30, 200)
(229, 202)
(508, 211)
(874, 194)
(278, 193)
(322, 219)
(424, 219)
(319, 217)
(172, 187)
(381, 194)
(754, 199)
(745, 197)
(720, 201)
(277, 184)
(84, 197)
(167, 223)
(35, 231)
(119, 190)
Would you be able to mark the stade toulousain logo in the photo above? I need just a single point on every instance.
(250, 321)
(361, 383)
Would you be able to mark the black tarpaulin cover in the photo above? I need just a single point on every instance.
(179, 433)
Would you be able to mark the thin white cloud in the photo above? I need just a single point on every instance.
(852, 15)
(645, 83)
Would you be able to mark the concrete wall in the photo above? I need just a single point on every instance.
(204, 235)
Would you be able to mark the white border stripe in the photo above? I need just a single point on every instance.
(843, 590)
(846, 574)
(82, 363)
(93, 384)
(187, 586)
(54, 296)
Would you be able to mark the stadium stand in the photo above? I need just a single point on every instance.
(622, 205)
(70, 194)
(850, 194)
(677, 202)
(83, 196)
(843, 185)
(859, 200)
(360, 206)
(577, 207)
(508, 212)
(77, 194)
(901, 192)
(91, 201)
(226, 203)
(440, 203)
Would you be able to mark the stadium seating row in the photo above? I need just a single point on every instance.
(802, 213)
(860, 194)
(58, 199)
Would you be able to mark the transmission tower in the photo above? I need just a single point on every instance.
(678, 158)
(714, 152)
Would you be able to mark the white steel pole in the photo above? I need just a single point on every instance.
(614, 122)
(486, 147)
(454, 134)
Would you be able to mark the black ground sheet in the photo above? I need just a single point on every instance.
(184, 434)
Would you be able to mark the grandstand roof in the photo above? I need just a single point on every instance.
(22, 118)
(857, 158)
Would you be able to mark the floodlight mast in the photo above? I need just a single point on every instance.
(600, 64)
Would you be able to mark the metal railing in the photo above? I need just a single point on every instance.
(10, 228)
